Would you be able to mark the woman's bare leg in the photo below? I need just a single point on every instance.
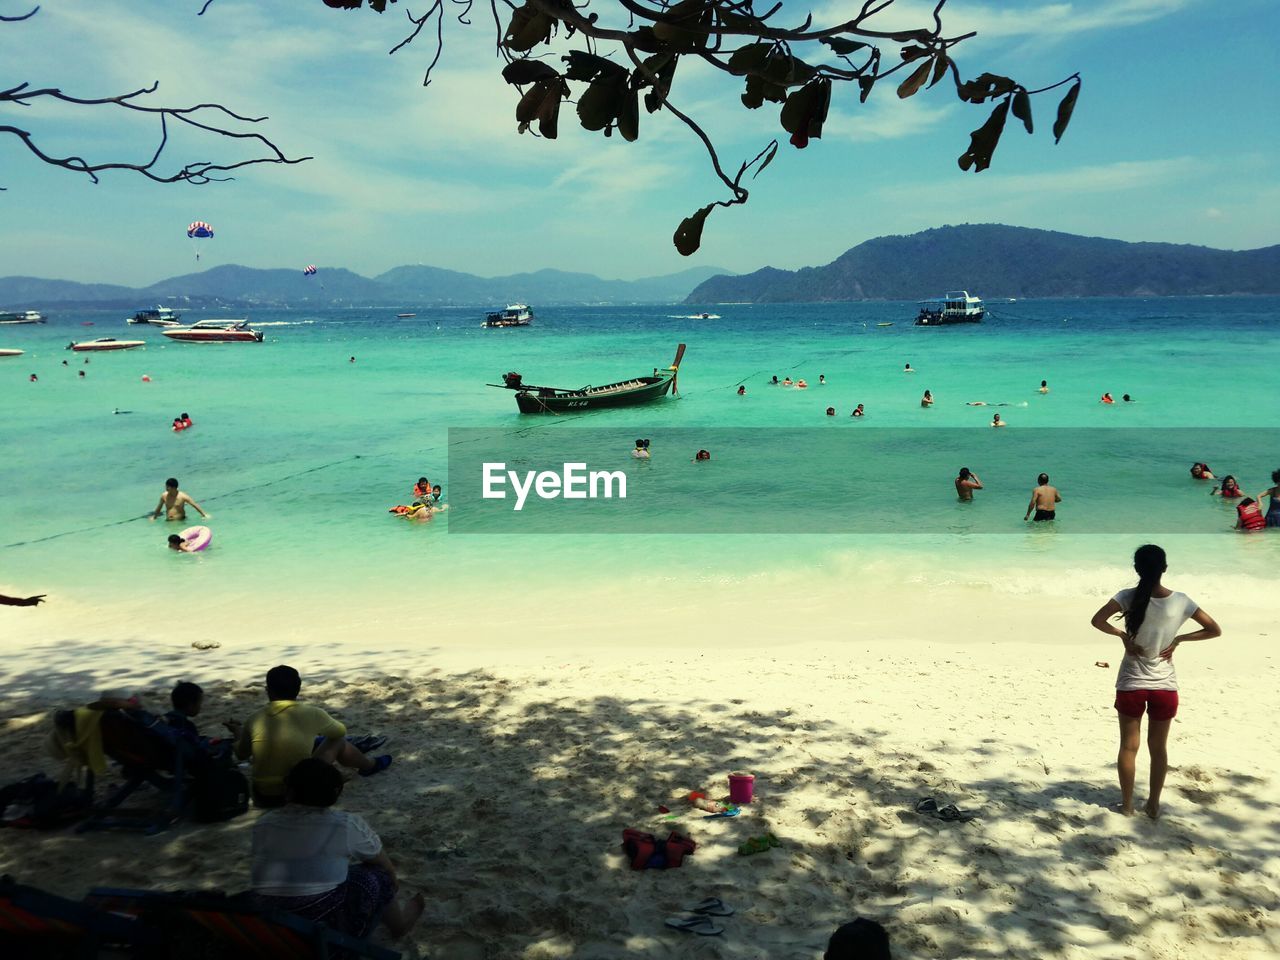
(401, 915)
(1127, 760)
(1157, 740)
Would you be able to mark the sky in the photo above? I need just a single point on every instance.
(1174, 139)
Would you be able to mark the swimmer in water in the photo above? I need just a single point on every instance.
(1230, 489)
(703, 455)
(641, 452)
(927, 399)
(435, 494)
(822, 379)
(34, 378)
(177, 543)
(1127, 399)
(787, 382)
(174, 501)
(82, 373)
(858, 411)
(801, 385)
(966, 483)
(997, 422)
(831, 411)
(907, 369)
(1044, 386)
(352, 360)
(1201, 471)
(1108, 398)
(975, 403)
(774, 381)
(742, 391)
(1044, 500)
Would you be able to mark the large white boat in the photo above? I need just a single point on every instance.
(516, 315)
(159, 317)
(104, 343)
(215, 331)
(956, 306)
(22, 316)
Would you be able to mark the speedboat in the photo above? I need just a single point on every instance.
(953, 307)
(10, 353)
(105, 343)
(516, 315)
(22, 316)
(215, 331)
(405, 316)
(159, 317)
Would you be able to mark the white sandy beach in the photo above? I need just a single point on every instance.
(518, 765)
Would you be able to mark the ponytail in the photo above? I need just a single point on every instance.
(1149, 562)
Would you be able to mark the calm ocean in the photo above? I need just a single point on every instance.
(298, 452)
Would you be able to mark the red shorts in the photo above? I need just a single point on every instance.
(1159, 704)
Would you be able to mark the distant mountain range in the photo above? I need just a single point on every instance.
(238, 286)
(992, 260)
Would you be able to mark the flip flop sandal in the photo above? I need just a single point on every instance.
(700, 925)
(379, 764)
(711, 907)
(952, 813)
(928, 805)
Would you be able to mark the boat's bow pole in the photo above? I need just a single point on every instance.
(675, 367)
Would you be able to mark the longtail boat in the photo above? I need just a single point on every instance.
(624, 393)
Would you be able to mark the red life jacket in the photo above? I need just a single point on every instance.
(1251, 517)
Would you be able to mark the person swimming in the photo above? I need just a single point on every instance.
(858, 411)
(1044, 386)
(179, 544)
(1201, 471)
(801, 385)
(641, 451)
(1230, 489)
(997, 422)
(1107, 398)
(787, 382)
(1249, 516)
(907, 369)
(927, 399)
(822, 379)
(422, 488)
(831, 411)
(742, 391)
(774, 381)
(703, 455)
(1127, 399)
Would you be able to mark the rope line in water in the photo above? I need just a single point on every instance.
(221, 496)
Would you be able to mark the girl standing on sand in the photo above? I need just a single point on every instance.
(1152, 616)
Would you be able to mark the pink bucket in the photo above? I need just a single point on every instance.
(741, 787)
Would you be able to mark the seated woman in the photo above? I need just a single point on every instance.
(303, 857)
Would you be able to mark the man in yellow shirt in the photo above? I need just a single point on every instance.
(285, 731)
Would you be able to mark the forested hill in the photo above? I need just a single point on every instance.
(992, 260)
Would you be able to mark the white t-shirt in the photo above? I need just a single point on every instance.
(301, 851)
(1165, 617)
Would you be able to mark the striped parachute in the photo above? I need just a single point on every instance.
(199, 229)
(309, 269)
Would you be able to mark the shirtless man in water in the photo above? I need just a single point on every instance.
(173, 503)
(966, 483)
(1044, 500)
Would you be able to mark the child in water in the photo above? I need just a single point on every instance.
(177, 543)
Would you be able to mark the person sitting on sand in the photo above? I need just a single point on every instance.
(858, 411)
(927, 399)
(1044, 386)
(326, 865)
(1044, 500)
(862, 939)
(173, 503)
(1229, 490)
(1201, 471)
(187, 698)
(285, 731)
(997, 422)
(966, 483)
(33, 601)
(1146, 682)
(1273, 508)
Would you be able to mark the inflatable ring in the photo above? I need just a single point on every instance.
(197, 537)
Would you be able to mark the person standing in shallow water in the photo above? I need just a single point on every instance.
(1146, 682)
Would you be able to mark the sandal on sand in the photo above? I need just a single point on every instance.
(758, 845)
(949, 813)
(700, 925)
(711, 907)
(368, 742)
(379, 764)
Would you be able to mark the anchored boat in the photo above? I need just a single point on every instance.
(954, 307)
(516, 315)
(104, 343)
(215, 331)
(159, 317)
(22, 316)
(624, 393)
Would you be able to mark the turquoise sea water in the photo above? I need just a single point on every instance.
(297, 452)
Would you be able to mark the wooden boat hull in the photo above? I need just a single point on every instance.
(597, 398)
